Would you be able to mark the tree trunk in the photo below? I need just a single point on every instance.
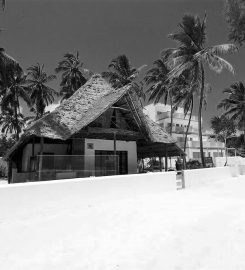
(40, 160)
(171, 113)
(200, 117)
(244, 136)
(226, 159)
(187, 129)
(16, 117)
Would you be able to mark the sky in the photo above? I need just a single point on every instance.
(43, 31)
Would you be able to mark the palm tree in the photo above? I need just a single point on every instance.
(40, 93)
(73, 74)
(191, 56)
(234, 104)
(16, 91)
(160, 86)
(11, 124)
(185, 98)
(121, 73)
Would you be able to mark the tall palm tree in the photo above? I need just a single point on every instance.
(16, 91)
(192, 55)
(121, 73)
(73, 75)
(234, 104)
(10, 124)
(40, 93)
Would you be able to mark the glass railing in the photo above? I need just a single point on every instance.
(54, 167)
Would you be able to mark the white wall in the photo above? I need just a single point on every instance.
(201, 177)
(108, 145)
(57, 149)
(32, 197)
(220, 161)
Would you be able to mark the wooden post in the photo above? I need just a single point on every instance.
(166, 158)
(160, 163)
(115, 153)
(9, 171)
(40, 165)
(33, 146)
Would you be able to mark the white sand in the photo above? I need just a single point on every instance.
(201, 228)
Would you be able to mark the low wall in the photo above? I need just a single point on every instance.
(220, 161)
(201, 177)
(36, 196)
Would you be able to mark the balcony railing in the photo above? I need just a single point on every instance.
(164, 115)
(196, 144)
(182, 130)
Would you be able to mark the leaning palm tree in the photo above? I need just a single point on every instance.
(10, 124)
(73, 75)
(234, 104)
(16, 91)
(40, 93)
(192, 55)
(121, 73)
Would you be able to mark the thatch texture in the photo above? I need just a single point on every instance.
(85, 106)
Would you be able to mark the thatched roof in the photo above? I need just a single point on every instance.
(85, 106)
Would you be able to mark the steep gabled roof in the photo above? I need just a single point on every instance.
(83, 107)
(86, 105)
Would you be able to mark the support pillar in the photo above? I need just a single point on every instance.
(166, 158)
(33, 146)
(160, 163)
(115, 152)
(40, 165)
(9, 171)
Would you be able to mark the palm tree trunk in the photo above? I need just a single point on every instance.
(200, 117)
(187, 129)
(171, 113)
(244, 134)
(226, 159)
(16, 117)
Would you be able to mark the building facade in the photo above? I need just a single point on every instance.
(161, 114)
(98, 131)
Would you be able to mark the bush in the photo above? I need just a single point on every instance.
(193, 164)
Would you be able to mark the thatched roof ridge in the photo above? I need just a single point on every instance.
(83, 107)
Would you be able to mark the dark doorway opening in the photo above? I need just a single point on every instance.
(105, 162)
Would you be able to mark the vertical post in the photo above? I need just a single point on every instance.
(166, 158)
(9, 171)
(115, 153)
(33, 146)
(40, 165)
(160, 163)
